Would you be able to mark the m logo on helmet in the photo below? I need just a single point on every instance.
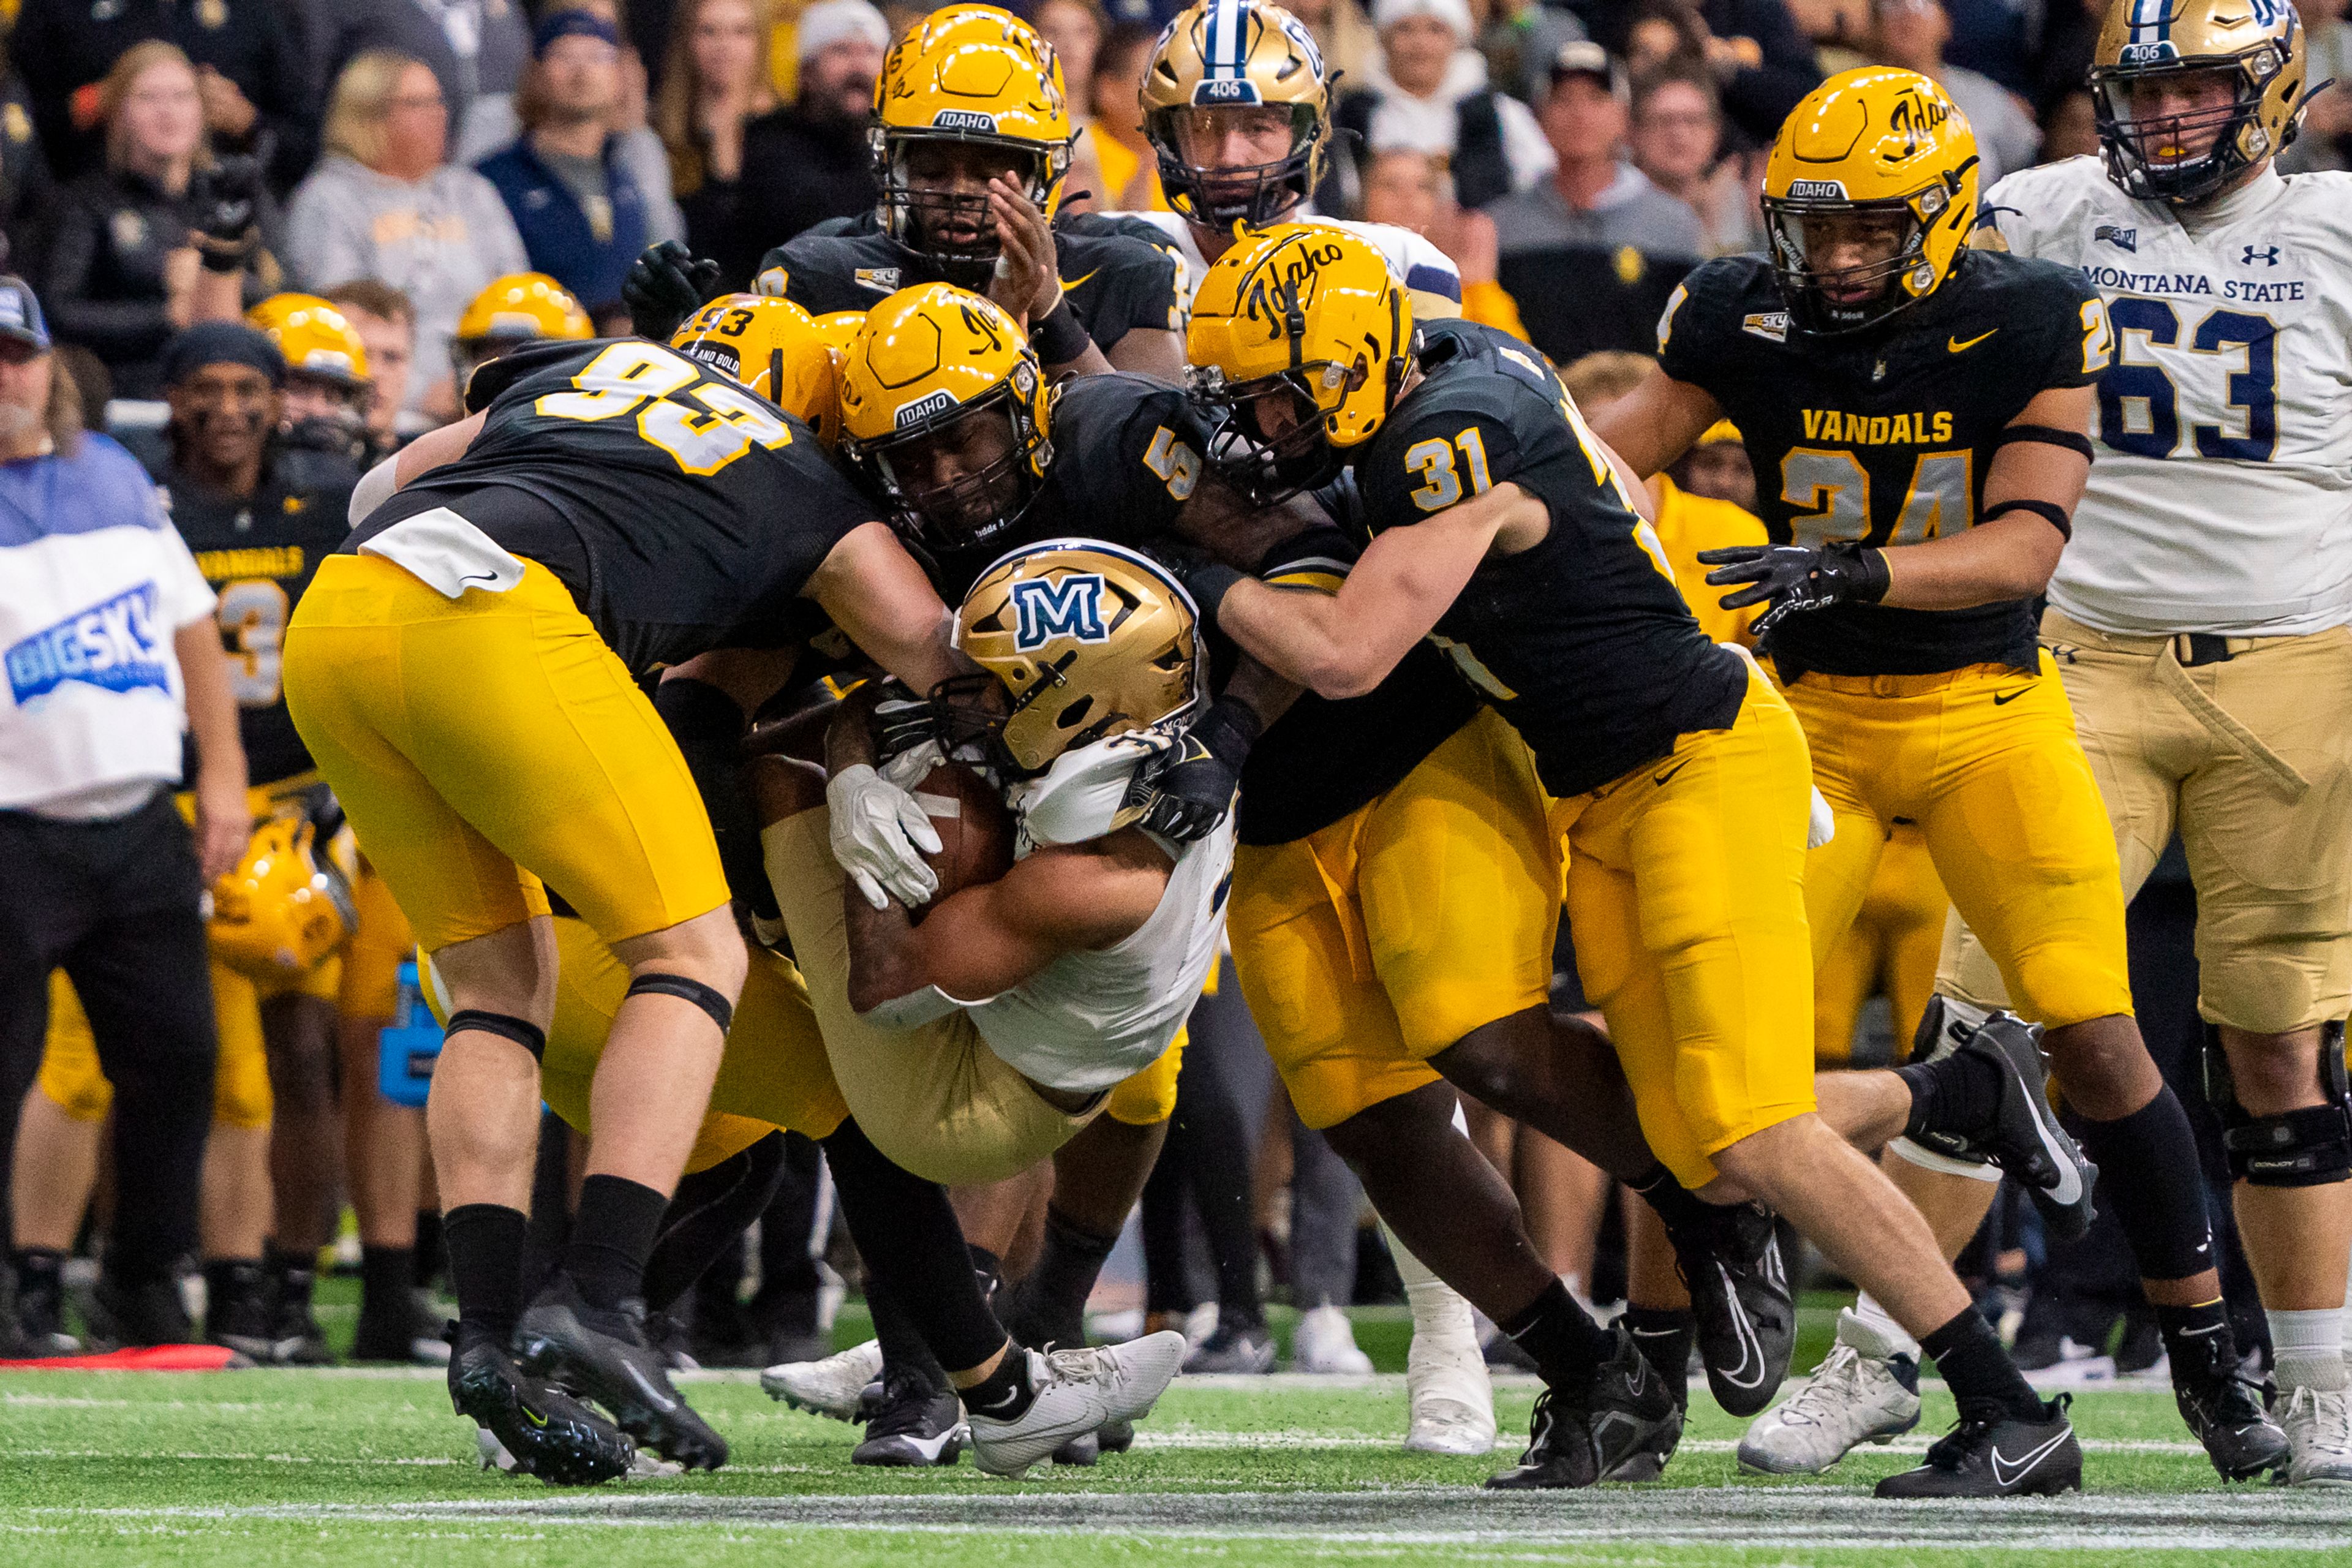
(1816, 190)
(1051, 607)
(964, 120)
(923, 407)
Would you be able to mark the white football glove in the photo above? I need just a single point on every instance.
(879, 835)
(1821, 826)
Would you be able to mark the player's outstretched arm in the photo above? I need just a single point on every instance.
(875, 592)
(987, 939)
(1343, 644)
(1655, 423)
(2030, 489)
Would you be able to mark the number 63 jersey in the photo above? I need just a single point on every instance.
(1885, 436)
(2222, 499)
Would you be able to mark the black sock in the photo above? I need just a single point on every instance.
(39, 1268)
(486, 1267)
(1959, 1094)
(907, 1233)
(2199, 1341)
(989, 1269)
(1985, 1383)
(1004, 1394)
(613, 1234)
(429, 1251)
(1677, 1206)
(230, 1282)
(293, 1274)
(1049, 1307)
(905, 1351)
(2148, 1171)
(387, 1280)
(1561, 1337)
(1665, 1336)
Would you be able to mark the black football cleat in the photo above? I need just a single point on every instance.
(1998, 1455)
(1739, 1294)
(545, 1431)
(144, 1309)
(2223, 1408)
(913, 1425)
(1623, 1427)
(604, 1355)
(2025, 1139)
(1114, 1436)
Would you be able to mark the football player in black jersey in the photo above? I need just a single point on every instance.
(971, 144)
(1918, 410)
(1504, 528)
(465, 673)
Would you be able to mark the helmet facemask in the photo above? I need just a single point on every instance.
(1255, 193)
(959, 479)
(1265, 470)
(954, 229)
(2146, 155)
(1879, 289)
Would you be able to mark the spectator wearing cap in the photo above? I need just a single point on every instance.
(476, 49)
(808, 161)
(111, 653)
(1428, 93)
(164, 233)
(385, 203)
(253, 75)
(1913, 34)
(1592, 253)
(580, 211)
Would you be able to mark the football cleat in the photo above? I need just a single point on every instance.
(916, 1425)
(297, 1340)
(1114, 1436)
(2318, 1427)
(1246, 1349)
(146, 1311)
(1081, 1452)
(1324, 1344)
(40, 1322)
(604, 1355)
(405, 1330)
(1076, 1391)
(1865, 1391)
(1623, 1427)
(833, 1387)
(2224, 1410)
(1739, 1294)
(237, 1312)
(1450, 1397)
(540, 1430)
(1998, 1455)
(2024, 1138)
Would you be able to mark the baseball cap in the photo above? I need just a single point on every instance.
(1584, 57)
(20, 313)
(560, 25)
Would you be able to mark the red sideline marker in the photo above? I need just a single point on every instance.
(143, 1358)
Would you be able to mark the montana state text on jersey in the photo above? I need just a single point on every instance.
(1885, 437)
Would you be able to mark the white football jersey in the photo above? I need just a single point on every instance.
(2221, 498)
(1418, 265)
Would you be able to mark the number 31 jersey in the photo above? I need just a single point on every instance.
(683, 512)
(1885, 436)
(2222, 499)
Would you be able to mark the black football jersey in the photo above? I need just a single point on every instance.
(1582, 641)
(1885, 436)
(683, 512)
(1116, 280)
(259, 552)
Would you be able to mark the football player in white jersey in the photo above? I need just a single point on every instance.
(1238, 104)
(2198, 617)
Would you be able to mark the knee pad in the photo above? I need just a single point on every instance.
(522, 1031)
(2306, 1148)
(712, 1002)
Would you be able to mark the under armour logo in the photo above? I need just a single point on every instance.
(2268, 255)
(1050, 607)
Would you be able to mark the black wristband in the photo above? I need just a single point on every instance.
(1060, 337)
(1209, 582)
(2050, 512)
(217, 255)
(2049, 435)
(1227, 730)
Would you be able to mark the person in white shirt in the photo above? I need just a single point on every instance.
(1427, 92)
(112, 654)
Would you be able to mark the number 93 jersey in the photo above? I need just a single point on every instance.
(1581, 640)
(2222, 499)
(1886, 435)
(682, 512)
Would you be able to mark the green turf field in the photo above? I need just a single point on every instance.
(259, 1469)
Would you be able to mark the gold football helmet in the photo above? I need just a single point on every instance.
(1301, 338)
(315, 338)
(514, 309)
(837, 327)
(1087, 640)
(774, 349)
(976, 76)
(1235, 55)
(1873, 143)
(2185, 155)
(285, 908)
(943, 411)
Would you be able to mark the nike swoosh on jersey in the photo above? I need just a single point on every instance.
(2003, 698)
(1074, 282)
(1670, 773)
(1959, 347)
(2006, 1469)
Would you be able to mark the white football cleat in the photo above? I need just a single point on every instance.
(829, 1387)
(1864, 1392)
(1076, 1391)
(1325, 1343)
(1453, 1399)
(2318, 1427)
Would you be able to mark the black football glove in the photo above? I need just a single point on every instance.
(665, 286)
(1794, 577)
(1187, 792)
(1204, 578)
(227, 195)
(901, 721)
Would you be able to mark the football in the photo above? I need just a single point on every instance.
(975, 829)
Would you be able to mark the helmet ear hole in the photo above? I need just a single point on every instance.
(1073, 716)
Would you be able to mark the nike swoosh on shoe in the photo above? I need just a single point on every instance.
(1751, 1352)
(654, 1396)
(2006, 1469)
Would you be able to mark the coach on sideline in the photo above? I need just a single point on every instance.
(110, 651)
